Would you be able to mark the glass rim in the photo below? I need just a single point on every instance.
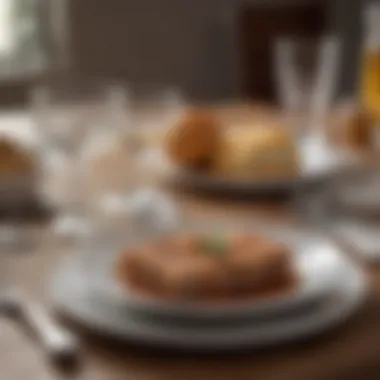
(141, 93)
(292, 40)
(63, 88)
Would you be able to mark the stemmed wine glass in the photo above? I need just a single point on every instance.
(306, 71)
(69, 113)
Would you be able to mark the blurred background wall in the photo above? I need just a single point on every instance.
(345, 16)
(187, 43)
(200, 45)
(215, 50)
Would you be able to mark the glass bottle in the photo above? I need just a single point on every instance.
(370, 68)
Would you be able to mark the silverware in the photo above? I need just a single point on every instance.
(58, 343)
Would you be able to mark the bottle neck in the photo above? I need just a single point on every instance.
(372, 27)
(372, 41)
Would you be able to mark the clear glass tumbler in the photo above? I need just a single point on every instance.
(156, 108)
(68, 113)
(306, 71)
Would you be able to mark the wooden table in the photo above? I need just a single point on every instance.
(350, 352)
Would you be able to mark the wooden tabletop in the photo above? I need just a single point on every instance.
(349, 352)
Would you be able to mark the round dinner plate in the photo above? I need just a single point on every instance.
(316, 264)
(72, 297)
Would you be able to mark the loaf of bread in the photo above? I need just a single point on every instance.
(259, 153)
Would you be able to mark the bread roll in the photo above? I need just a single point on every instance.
(194, 140)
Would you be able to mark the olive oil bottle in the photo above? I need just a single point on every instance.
(370, 65)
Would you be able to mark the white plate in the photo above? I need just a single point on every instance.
(316, 161)
(202, 181)
(315, 259)
(359, 235)
(71, 296)
(357, 191)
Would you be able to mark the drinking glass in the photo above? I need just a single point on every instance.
(69, 113)
(306, 73)
(156, 108)
(125, 169)
(347, 208)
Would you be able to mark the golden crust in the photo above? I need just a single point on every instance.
(257, 153)
(194, 140)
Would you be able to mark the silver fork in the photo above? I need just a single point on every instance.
(58, 343)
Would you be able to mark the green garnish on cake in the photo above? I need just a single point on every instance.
(215, 245)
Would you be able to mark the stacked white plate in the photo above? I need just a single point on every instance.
(348, 208)
(317, 161)
(331, 289)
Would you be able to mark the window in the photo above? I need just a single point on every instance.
(6, 27)
(30, 36)
(32, 40)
